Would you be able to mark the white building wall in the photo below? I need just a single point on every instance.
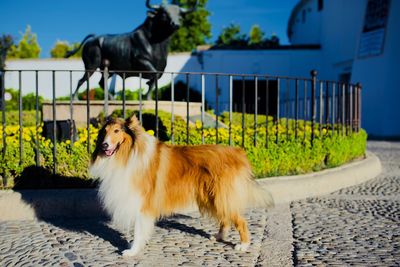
(341, 24)
(305, 25)
(175, 62)
(380, 77)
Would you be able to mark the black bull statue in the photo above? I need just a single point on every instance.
(143, 49)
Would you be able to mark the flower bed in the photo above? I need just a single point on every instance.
(288, 156)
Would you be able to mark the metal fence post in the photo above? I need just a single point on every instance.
(359, 87)
(105, 78)
(3, 116)
(313, 103)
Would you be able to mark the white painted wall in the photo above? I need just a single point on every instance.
(62, 82)
(380, 76)
(305, 24)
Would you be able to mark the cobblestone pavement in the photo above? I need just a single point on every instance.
(358, 226)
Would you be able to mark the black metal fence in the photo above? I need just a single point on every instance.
(331, 105)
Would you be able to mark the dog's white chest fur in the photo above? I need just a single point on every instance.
(120, 199)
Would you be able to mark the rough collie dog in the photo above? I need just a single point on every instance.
(143, 179)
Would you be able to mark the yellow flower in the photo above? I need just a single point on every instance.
(150, 132)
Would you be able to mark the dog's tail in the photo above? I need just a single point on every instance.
(257, 196)
(244, 192)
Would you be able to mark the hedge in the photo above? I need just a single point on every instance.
(287, 157)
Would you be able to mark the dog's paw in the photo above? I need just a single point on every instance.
(218, 237)
(129, 253)
(242, 246)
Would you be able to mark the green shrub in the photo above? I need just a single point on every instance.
(288, 156)
(28, 117)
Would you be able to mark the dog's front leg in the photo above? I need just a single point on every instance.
(144, 226)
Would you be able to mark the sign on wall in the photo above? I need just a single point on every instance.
(373, 34)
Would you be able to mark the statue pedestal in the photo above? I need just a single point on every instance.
(79, 109)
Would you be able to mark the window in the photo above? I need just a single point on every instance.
(320, 5)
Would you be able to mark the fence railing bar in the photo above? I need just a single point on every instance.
(20, 117)
(333, 107)
(327, 107)
(140, 98)
(351, 109)
(313, 105)
(230, 108)
(343, 108)
(255, 109)
(321, 108)
(3, 122)
(296, 109)
(216, 108)
(305, 110)
(54, 125)
(156, 104)
(359, 106)
(287, 107)
(243, 109)
(88, 109)
(203, 106)
(266, 111)
(105, 77)
(124, 95)
(277, 109)
(71, 111)
(37, 124)
(187, 108)
(172, 109)
(239, 75)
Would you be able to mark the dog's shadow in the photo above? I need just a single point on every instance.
(96, 223)
(172, 223)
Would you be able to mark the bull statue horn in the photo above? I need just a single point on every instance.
(151, 6)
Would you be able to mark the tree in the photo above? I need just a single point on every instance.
(27, 47)
(256, 35)
(231, 36)
(61, 47)
(6, 41)
(195, 28)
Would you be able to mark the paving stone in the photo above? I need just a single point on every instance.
(359, 226)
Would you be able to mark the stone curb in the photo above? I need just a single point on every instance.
(83, 203)
(285, 189)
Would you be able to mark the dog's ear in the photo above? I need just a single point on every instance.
(132, 122)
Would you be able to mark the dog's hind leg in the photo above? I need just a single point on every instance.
(241, 225)
(224, 227)
(144, 226)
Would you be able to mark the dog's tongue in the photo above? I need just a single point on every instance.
(109, 152)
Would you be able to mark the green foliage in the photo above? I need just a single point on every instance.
(288, 156)
(256, 35)
(180, 93)
(28, 117)
(27, 47)
(6, 41)
(60, 48)
(195, 29)
(231, 35)
(28, 101)
(129, 95)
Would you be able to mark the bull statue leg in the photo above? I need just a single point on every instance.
(80, 82)
(151, 84)
(102, 85)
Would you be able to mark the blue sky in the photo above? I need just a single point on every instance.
(72, 20)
